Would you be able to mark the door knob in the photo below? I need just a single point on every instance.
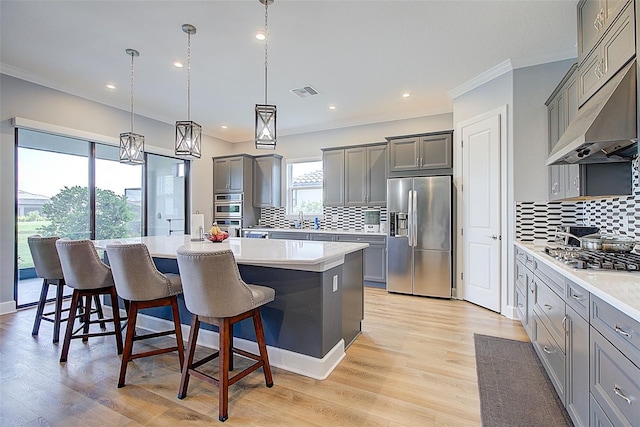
(494, 237)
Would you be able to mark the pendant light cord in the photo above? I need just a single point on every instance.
(266, 47)
(189, 75)
(132, 71)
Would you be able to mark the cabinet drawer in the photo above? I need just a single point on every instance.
(551, 356)
(323, 237)
(617, 327)
(373, 240)
(525, 258)
(521, 276)
(554, 279)
(578, 298)
(615, 382)
(597, 418)
(550, 309)
(521, 306)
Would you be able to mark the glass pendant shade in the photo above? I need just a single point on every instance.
(188, 139)
(131, 148)
(266, 126)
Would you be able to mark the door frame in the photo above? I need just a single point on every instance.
(506, 199)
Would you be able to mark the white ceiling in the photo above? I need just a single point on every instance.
(360, 55)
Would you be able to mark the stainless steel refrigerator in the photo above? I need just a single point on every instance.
(419, 236)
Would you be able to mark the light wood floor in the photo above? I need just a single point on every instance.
(414, 364)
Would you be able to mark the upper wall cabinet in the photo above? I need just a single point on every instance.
(420, 153)
(232, 173)
(366, 175)
(594, 17)
(355, 176)
(267, 172)
(615, 47)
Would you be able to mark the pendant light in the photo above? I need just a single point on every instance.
(132, 144)
(265, 136)
(188, 133)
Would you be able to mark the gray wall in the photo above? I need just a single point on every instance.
(531, 89)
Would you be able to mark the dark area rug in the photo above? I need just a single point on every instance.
(514, 388)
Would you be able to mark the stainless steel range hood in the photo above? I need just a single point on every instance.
(605, 127)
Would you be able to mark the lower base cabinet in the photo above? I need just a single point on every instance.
(597, 416)
(577, 368)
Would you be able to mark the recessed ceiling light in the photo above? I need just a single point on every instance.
(177, 64)
(223, 126)
(260, 35)
(332, 107)
(406, 95)
(110, 86)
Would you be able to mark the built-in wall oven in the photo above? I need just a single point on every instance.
(228, 212)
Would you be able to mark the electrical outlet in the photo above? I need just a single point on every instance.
(335, 283)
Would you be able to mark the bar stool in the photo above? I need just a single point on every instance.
(48, 268)
(138, 281)
(89, 277)
(215, 293)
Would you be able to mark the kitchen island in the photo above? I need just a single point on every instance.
(318, 306)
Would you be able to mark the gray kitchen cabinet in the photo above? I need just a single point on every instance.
(562, 106)
(333, 177)
(597, 417)
(365, 175)
(524, 282)
(421, 152)
(594, 18)
(288, 235)
(232, 173)
(577, 365)
(375, 259)
(322, 237)
(267, 172)
(612, 52)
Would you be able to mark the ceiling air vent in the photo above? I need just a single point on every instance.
(303, 92)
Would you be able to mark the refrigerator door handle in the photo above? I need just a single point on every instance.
(414, 221)
(410, 218)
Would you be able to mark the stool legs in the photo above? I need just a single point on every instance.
(224, 355)
(76, 299)
(41, 302)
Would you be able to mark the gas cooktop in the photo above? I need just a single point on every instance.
(600, 260)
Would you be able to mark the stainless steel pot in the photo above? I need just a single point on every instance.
(597, 242)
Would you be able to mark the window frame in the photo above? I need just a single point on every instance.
(289, 190)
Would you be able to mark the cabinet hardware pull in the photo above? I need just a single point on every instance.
(520, 305)
(548, 307)
(576, 297)
(564, 323)
(621, 331)
(546, 350)
(619, 393)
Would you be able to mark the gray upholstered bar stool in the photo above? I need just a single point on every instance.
(48, 268)
(215, 293)
(88, 276)
(138, 281)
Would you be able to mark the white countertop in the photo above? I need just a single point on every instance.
(621, 289)
(288, 254)
(313, 230)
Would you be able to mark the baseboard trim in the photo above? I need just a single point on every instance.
(311, 367)
(510, 312)
(7, 307)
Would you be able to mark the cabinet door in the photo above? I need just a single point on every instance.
(531, 298)
(375, 263)
(571, 97)
(236, 170)
(355, 173)
(554, 123)
(572, 181)
(577, 368)
(262, 182)
(556, 182)
(435, 152)
(221, 174)
(333, 178)
(404, 154)
(377, 175)
(590, 24)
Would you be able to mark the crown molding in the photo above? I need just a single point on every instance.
(480, 79)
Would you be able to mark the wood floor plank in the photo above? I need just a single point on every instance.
(413, 364)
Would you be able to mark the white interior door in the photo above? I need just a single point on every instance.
(481, 206)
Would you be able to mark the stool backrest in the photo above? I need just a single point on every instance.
(81, 265)
(135, 275)
(211, 284)
(45, 257)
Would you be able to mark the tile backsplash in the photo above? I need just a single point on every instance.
(619, 215)
(335, 218)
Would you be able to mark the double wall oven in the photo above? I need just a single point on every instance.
(228, 212)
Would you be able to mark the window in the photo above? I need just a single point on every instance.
(304, 187)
